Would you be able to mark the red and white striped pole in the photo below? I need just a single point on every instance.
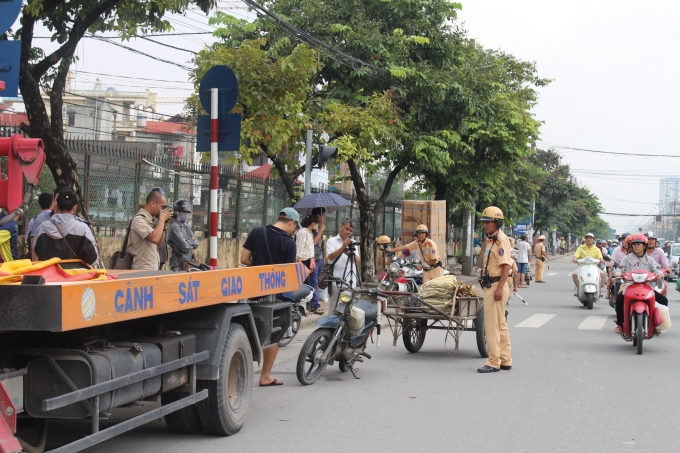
(214, 135)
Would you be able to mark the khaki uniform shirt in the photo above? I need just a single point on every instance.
(496, 254)
(427, 251)
(539, 250)
(145, 252)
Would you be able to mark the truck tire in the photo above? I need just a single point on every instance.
(224, 411)
(183, 421)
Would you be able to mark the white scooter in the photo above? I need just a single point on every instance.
(589, 289)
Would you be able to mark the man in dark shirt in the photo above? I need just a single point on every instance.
(281, 250)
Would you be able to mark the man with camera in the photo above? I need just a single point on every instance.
(428, 253)
(145, 237)
(342, 250)
(496, 265)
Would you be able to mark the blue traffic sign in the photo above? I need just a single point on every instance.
(224, 79)
(229, 133)
(9, 11)
(10, 54)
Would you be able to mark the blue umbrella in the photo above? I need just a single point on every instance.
(332, 202)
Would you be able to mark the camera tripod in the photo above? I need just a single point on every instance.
(353, 269)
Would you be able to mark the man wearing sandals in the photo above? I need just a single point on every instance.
(264, 246)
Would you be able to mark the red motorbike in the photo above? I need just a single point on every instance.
(639, 308)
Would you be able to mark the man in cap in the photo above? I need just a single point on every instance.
(541, 256)
(264, 246)
(584, 251)
(496, 264)
(427, 250)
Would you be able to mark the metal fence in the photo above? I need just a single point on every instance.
(117, 176)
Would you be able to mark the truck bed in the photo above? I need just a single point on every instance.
(137, 294)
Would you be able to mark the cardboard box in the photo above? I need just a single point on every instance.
(429, 212)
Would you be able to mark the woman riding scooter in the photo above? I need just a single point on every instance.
(636, 259)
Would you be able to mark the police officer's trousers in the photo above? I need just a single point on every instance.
(496, 329)
(540, 267)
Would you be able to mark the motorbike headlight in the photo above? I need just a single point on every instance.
(394, 268)
(589, 260)
(639, 278)
(346, 296)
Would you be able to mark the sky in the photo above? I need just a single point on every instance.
(615, 68)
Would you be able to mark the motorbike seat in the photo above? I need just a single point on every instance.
(301, 293)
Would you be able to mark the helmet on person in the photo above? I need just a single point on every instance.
(383, 240)
(493, 214)
(624, 236)
(639, 239)
(182, 205)
(600, 242)
(541, 238)
(422, 229)
(590, 235)
(650, 235)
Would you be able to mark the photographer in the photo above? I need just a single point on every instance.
(339, 247)
(181, 239)
(145, 237)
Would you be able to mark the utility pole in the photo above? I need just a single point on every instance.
(308, 166)
(467, 242)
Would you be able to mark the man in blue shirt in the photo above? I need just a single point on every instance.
(281, 250)
(11, 226)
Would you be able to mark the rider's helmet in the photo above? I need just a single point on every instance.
(624, 236)
(493, 214)
(650, 235)
(590, 235)
(541, 238)
(383, 240)
(422, 229)
(600, 242)
(182, 205)
(639, 239)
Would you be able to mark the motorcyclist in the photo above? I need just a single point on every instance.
(602, 245)
(636, 260)
(656, 253)
(621, 252)
(584, 251)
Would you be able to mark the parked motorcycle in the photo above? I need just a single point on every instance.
(639, 308)
(343, 335)
(588, 281)
(301, 298)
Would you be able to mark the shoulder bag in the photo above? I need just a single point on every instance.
(122, 259)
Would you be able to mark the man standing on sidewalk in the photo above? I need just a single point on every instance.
(495, 271)
(541, 256)
(523, 251)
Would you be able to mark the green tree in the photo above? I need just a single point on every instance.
(68, 21)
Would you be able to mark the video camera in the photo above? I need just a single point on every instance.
(352, 247)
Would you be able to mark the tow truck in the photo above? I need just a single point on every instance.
(77, 348)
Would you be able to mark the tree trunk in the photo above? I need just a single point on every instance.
(368, 210)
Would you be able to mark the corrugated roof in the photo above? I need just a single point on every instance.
(166, 128)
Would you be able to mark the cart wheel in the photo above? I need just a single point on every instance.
(481, 338)
(414, 335)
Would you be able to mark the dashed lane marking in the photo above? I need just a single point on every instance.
(550, 274)
(535, 321)
(593, 323)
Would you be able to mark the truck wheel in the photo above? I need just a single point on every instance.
(413, 336)
(224, 411)
(481, 337)
(183, 421)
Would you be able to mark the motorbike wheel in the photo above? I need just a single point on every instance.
(640, 334)
(481, 337)
(295, 327)
(413, 335)
(589, 302)
(309, 364)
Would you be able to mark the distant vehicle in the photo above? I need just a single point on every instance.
(674, 260)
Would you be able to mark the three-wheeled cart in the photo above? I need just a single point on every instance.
(411, 317)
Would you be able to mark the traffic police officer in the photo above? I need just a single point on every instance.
(428, 253)
(496, 267)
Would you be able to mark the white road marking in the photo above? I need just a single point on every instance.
(535, 321)
(593, 323)
(550, 274)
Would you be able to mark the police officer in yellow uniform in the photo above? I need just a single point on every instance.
(496, 266)
(428, 253)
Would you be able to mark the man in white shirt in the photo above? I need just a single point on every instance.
(523, 251)
(338, 247)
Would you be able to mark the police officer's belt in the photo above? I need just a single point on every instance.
(494, 279)
(434, 266)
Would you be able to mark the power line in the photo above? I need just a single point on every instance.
(641, 215)
(160, 35)
(186, 68)
(133, 78)
(109, 102)
(168, 45)
(608, 152)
